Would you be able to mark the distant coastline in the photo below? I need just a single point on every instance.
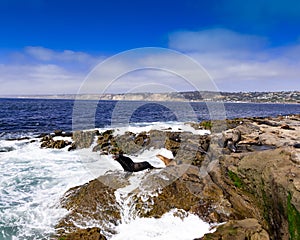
(192, 96)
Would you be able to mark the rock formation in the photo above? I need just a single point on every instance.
(254, 191)
(48, 140)
(237, 230)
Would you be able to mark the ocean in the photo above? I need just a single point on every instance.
(34, 179)
(31, 117)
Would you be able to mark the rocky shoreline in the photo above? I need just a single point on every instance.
(245, 174)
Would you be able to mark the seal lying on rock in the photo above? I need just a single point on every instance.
(167, 161)
(230, 138)
(129, 166)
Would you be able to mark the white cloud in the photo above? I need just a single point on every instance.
(236, 62)
(45, 54)
(215, 40)
(37, 79)
(38, 70)
(153, 69)
(148, 81)
(240, 62)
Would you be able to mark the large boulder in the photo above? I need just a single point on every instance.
(92, 202)
(272, 178)
(83, 139)
(239, 230)
(181, 187)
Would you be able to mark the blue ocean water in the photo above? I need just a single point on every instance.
(20, 117)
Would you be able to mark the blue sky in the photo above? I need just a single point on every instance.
(49, 46)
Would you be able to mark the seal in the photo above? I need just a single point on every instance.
(230, 139)
(129, 166)
(167, 161)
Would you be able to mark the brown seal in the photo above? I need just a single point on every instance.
(129, 166)
(167, 161)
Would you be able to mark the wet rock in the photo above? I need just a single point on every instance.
(287, 127)
(268, 122)
(94, 201)
(157, 139)
(182, 187)
(239, 230)
(129, 143)
(142, 139)
(46, 138)
(47, 141)
(72, 147)
(126, 143)
(58, 144)
(110, 144)
(18, 139)
(84, 234)
(6, 149)
(191, 149)
(173, 142)
(84, 139)
(61, 133)
(58, 132)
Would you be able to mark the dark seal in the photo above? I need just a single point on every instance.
(297, 145)
(129, 166)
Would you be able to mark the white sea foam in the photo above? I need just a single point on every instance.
(169, 226)
(56, 138)
(175, 224)
(165, 126)
(32, 182)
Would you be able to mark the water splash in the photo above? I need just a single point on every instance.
(171, 225)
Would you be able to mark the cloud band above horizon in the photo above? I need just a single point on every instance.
(235, 61)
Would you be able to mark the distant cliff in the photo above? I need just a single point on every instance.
(284, 96)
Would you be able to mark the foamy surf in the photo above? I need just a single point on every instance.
(169, 226)
(32, 182)
(163, 126)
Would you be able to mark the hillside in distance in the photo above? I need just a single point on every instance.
(194, 96)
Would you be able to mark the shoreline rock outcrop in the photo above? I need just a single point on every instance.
(254, 189)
